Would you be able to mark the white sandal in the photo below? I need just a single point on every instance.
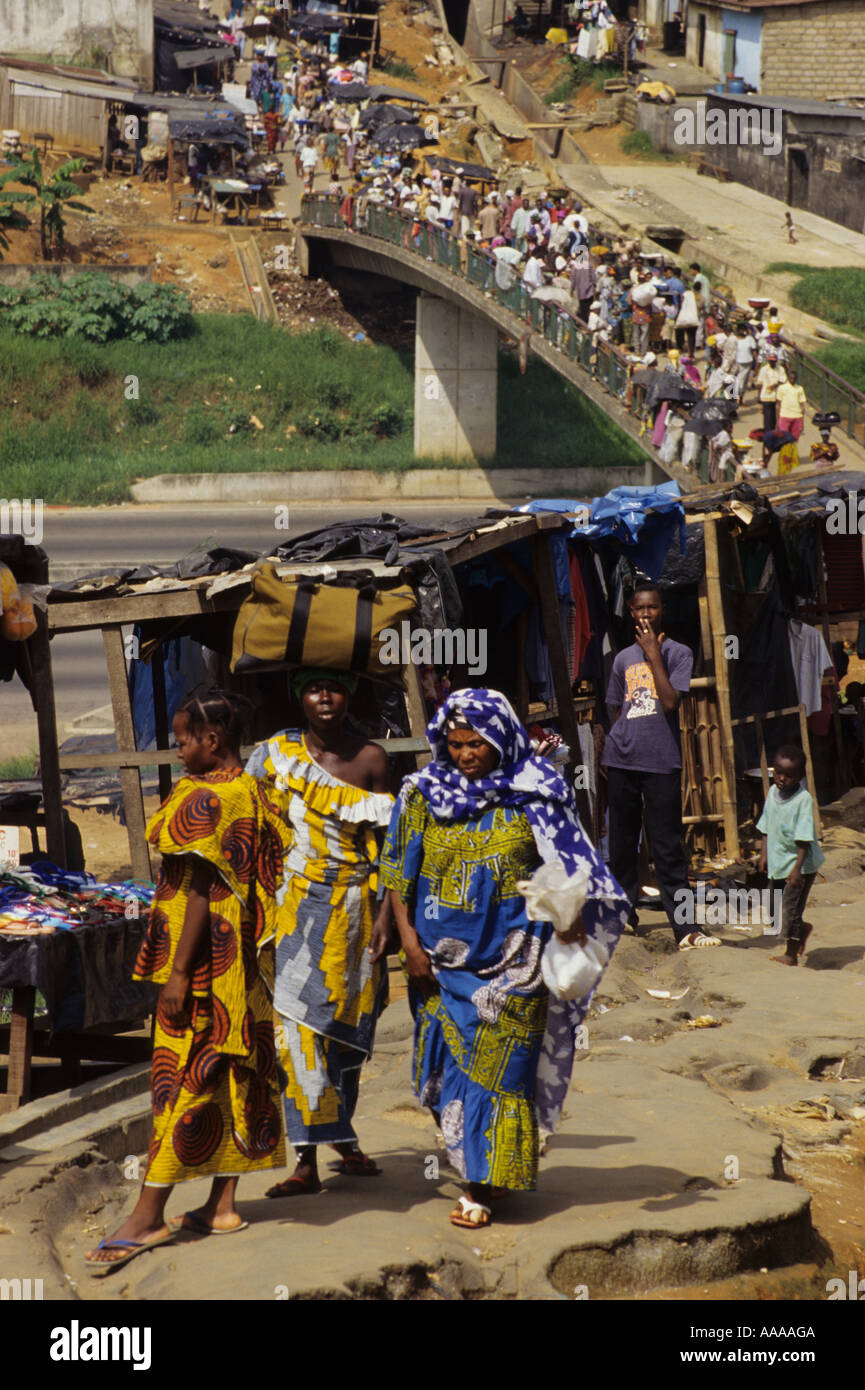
(470, 1214)
(698, 940)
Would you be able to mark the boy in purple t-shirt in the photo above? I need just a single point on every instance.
(643, 759)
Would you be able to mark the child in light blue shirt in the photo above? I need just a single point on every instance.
(790, 853)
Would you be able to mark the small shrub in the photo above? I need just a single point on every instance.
(398, 67)
(141, 412)
(386, 421)
(319, 424)
(637, 142)
(88, 363)
(201, 426)
(95, 307)
(158, 314)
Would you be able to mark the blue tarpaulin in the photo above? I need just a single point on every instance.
(642, 521)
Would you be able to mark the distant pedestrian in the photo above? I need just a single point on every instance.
(791, 230)
(308, 163)
(790, 853)
(769, 378)
(791, 405)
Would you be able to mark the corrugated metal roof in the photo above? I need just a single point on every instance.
(796, 106)
(202, 57)
(762, 4)
(82, 81)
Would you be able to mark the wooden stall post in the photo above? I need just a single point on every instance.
(761, 748)
(416, 708)
(49, 756)
(545, 578)
(722, 689)
(160, 713)
(170, 178)
(20, 1048)
(809, 770)
(522, 628)
(129, 777)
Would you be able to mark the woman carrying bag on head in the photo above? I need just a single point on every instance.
(331, 935)
(492, 1051)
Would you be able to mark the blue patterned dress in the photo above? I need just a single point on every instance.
(493, 1053)
(478, 1041)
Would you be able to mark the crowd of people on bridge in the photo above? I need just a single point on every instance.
(639, 305)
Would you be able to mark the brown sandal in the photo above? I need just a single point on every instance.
(293, 1187)
(471, 1215)
(358, 1166)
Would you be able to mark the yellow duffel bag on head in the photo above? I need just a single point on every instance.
(306, 623)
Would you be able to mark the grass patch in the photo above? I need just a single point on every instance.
(637, 142)
(836, 295)
(847, 360)
(68, 433)
(397, 67)
(576, 74)
(24, 765)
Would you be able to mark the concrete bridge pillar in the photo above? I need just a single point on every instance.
(455, 382)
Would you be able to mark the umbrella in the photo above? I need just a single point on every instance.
(349, 91)
(714, 408)
(646, 376)
(402, 137)
(374, 116)
(670, 387)
(708, 428)
(709, 417)
(509, 254)
(552, 294)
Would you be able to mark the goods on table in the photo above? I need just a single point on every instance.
(40, 898)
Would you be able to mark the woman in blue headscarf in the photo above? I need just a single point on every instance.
(493, 1052)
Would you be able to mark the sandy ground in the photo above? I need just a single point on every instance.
(636, 1195)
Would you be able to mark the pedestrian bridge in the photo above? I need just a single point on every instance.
(461, 312)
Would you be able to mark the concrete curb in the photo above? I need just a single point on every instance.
(92, 1099)
(416, 484)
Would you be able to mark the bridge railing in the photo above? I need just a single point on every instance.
(604, 362)
(562, 329)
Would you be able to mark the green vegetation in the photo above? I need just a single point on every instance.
(577, 73)
(13, 769)
(53, 193)
(95, 307)
(11, 216)
(637, 142)
(69, 434)
(836, 295)
(397, 67)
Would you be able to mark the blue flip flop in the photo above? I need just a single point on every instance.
(132, 1247)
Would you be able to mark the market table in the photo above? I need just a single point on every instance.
(233, 197)
(85, 977)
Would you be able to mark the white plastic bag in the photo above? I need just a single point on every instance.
(571, 971)
(552, 895)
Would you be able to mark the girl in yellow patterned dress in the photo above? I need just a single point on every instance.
(331, 984)
(214, 1083)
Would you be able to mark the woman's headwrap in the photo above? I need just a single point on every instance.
(299, 680)
(528, 783)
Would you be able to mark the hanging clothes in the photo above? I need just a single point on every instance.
(582, 628)
(810, 657)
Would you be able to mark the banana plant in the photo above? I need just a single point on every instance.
(11, 216)
(54, 193)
